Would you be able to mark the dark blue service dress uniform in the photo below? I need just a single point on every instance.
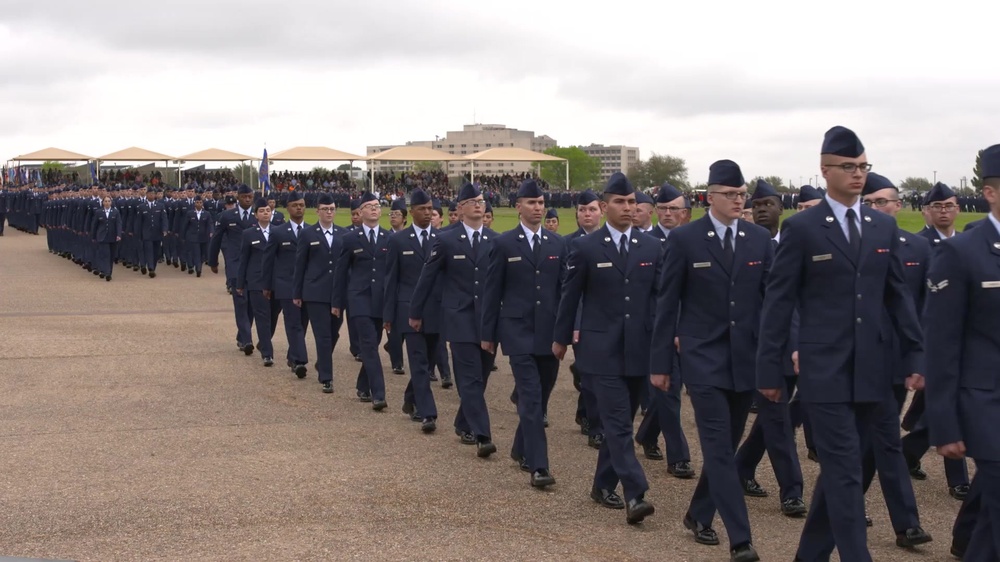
(279, 259)
(105, 231)
(228, 237)
(252, 280)
(834, 278)
(523, 286)
(315, 261)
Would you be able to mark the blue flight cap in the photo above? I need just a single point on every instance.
(293, 196)
(763, 190)
(748, 204)
(668, 193)
(990, 162)
(551, 214)
(436, 205)
(230, 200)
(641, 197)
(618, 184)
(259, 204)
(687, 202)
(939, 192)
(725, 172)
(197, 197)
(841, 141)
(368, 197)
(489, 208)
(587, 197)
(355, 203)
(468, 191)
(398, 205)
(420, 197)
(327, 199)
(244, 189)
(876, 182)
(453, 207)
(529, 188)
(809, 193)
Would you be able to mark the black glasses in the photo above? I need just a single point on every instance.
(851, 167)
(475, 202)
(731, 195)
(671, 209)
(878, 202)
(946, 208)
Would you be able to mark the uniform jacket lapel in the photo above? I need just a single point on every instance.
(611, 251)
(869, 234)
(835, 234)
(524, 245)
(715, 245)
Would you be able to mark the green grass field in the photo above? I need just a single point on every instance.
(506, 218)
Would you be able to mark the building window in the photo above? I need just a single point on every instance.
(463, 146)
(451, 146)
(488, 145)
(463, 152)
(440, 146)
(475, 146)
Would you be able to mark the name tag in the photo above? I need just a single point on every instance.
(255, 242)
(314, 243)
(513, 259)
(702, 264)
(461, 257)
(408, 253)
(286, 243)
(991, 284)
(823, 257)
(359, 250)
(604, 264)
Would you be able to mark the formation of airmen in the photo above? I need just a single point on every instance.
(826, 320)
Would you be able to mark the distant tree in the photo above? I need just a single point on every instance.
(50, 166)
(584, 170)
(776, 182)
(657, 170)
(977, 173)
(247, 174)
(346, 167)
(427, 166)
(918, 184)
(320, 170)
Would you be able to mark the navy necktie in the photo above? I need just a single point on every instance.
(622, 248)
(853, 236)
(475, 243)
(727, 246)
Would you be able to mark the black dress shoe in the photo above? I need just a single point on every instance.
(364, 396)
(638, 509)
(101, 275)
(681, 469)
(545, 420)
(753, 407)
(541, 478)
(466, 438)
(183, 267)
(485, 448)
(959, 492)
(812, 455)
(522, 462)
(409, 408)
(958, 549)
(268, 362)
(912, 537)
(248, 349)
(398, 371)
(378, 405)
(607, 498)
(190, 272)
(434, 377)
(793, 507)
(917, 473)
(428, 425)
(300, 371)
(494, 368)
(702, 534)
(585, 426)
(357, 358)
(143, 271)
(868, 521)
(595, 441)
(753, 489)
(198, 274)
(743, 553)
(152, 274)
(416, 416)
(652, 452)
(446, 383)
(108, 278)
(328, 388)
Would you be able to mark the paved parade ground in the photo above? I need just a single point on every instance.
(131, 428)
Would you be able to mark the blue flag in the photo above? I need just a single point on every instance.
(264, 176)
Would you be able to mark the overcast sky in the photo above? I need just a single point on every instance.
(756, 82)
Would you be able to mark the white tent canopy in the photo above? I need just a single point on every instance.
(52, 154)
(314, 154)
(512, 154)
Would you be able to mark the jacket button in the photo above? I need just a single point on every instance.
(538, 303)
(627, 299)
(859, 320)
(733, 323)
(627, 316)
(732, 303)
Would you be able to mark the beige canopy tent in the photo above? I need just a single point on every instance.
(214, 155)
(52, 154)
(136, 154)
(314, 154)
(513, 154)
(410, 154)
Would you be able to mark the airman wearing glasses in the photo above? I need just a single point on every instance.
(397, 215)
(672, 210)
(940, 210)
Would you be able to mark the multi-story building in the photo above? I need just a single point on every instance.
(615, 158)
(470, 140)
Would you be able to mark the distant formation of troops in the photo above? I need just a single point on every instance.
(827, 320)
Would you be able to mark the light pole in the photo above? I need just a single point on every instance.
(935, 176)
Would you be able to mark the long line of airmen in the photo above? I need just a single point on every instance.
(816, 320)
